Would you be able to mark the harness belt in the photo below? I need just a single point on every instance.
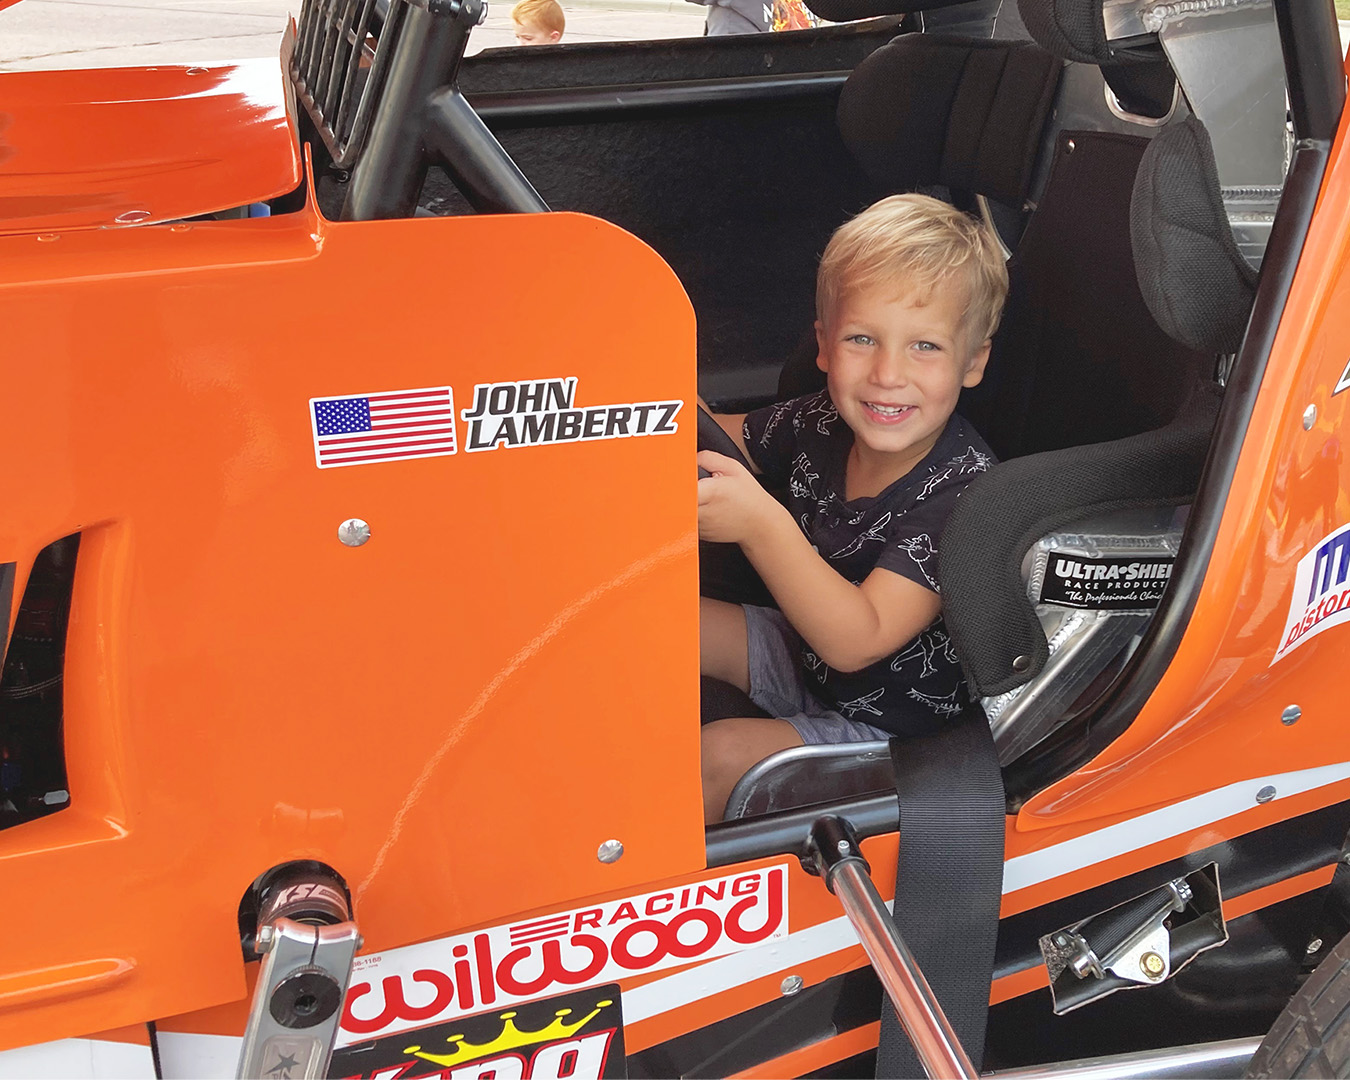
(949, 880)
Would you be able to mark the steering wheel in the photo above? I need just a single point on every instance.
(711, 436)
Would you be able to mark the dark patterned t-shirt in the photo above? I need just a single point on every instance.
(803, 445)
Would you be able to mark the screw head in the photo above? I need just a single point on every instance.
(1314, 945)
(610, 851)
(266, 935)
(1290, 715)
(1152, 965)
(843, 847)
(1070, 145)
(1021, 663)
(1265, 794)
(132, 217)
(791, 985)
(1309, 417)
(354, 532)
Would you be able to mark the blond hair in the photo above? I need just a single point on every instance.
(919, 243)
(545, 14)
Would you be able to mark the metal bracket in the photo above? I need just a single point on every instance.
(1143, 954)
(298, 1000)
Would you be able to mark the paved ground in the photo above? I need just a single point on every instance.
(115, 33)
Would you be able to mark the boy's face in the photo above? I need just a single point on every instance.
(533, 34)
(896, 363)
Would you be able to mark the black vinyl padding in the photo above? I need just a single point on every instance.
(1006, 510)
(956, 112)
(1078, 358)
(1195, 281)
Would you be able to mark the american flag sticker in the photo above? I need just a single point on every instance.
(362, 429)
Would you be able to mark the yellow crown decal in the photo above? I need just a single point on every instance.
(511, 1038)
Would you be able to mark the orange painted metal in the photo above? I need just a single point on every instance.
(117, 146)
(455, 715)
(458, 713)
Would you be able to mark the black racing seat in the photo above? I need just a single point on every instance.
(1100, 397)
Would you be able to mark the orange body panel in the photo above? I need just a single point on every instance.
(458, 713)
(240, 692)
(88, 149)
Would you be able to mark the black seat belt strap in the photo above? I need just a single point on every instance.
(949, 880)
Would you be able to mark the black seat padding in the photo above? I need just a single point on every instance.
(1193, 278)
(1079, 358)
(962, 113)
(1003, 512)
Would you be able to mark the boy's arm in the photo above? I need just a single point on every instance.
(848, 626)
(734, 425)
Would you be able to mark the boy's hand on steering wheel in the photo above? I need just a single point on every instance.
(732, 506)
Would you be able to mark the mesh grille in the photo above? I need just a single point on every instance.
(341, 54)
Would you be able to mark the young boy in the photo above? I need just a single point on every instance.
(908, 295)
(538, 22)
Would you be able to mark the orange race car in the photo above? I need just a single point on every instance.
(350, 553)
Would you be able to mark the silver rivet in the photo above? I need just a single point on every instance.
(610, 851)
(1265, 794)
(1314, 945)
(48, 237)
(1309, 417)
(1070, 145)
(1290, 715)
(1021, 663)
(353, 532)
(791, 985)
(132, 217)
(196, 71)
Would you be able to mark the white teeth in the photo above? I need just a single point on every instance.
(887, 410)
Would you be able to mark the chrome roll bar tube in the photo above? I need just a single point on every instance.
(833, 848)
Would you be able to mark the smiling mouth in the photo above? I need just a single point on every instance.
(887, 414)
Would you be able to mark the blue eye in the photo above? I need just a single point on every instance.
(927, 346)
(860, 339)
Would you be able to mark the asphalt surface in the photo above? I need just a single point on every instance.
(39, 34)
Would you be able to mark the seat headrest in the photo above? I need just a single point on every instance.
(1071, 29)
(963, 113)
(1193, 278)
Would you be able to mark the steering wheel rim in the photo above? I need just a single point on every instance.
(711, 436)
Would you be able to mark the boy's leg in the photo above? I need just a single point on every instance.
(732, 746)
(723, 653)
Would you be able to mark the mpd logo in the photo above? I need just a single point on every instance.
(1321, 597)
(452, 977)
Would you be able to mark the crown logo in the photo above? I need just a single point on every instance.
(511, 1038)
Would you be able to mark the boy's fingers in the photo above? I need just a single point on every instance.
(717, 463)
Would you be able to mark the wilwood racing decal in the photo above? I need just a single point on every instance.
(539, 412)
(455, 976)
(1319, 601)
(576, 1035)
(1118, 584)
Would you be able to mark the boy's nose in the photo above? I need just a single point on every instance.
(889, 369)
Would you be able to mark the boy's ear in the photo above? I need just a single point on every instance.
(555, 35)
(822, 358)
(975, 366)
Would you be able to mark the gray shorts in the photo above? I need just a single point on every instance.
(778, 687)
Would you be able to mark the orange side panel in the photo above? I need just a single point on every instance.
(117, 146)
(454, 715)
